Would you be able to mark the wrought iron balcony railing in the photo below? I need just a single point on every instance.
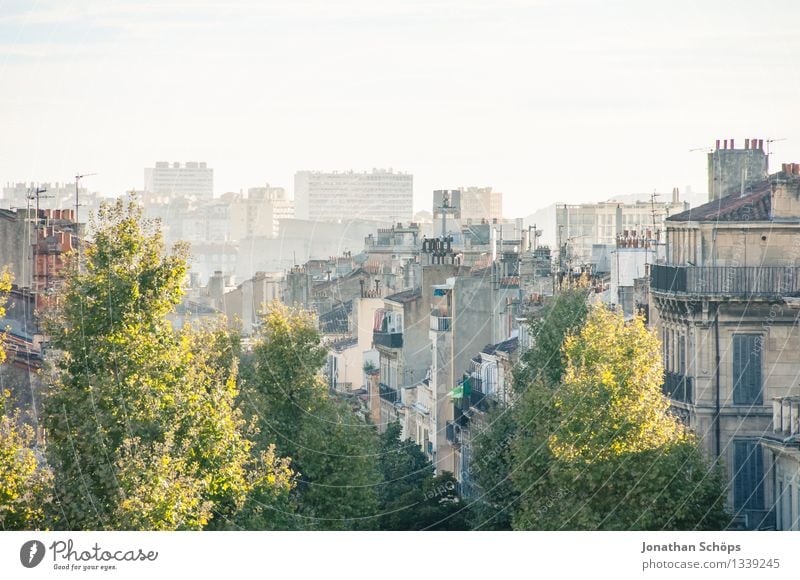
(726, 281)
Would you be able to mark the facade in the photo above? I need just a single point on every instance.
(380, 195)
(487, 381)
(481, 203)
(734, 171)
(260, 213)
(55, 195)
(721, 302)
(191, 179)
(244, 305)
(782, 449)
(580, 226)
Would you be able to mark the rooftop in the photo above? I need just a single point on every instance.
(753, 206)
(405, 296)
(508, 345)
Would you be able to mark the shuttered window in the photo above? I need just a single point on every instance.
(748, 488)
(747, 369)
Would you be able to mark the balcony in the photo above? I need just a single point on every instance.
(388, 394)
(678, 387)
(440, 323)
(388, 339)
(479, 401)
(726, 281)
(786, 416)
(453, 433)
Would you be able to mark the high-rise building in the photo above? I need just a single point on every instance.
(381, 195)
(481, 203)
(176, 180)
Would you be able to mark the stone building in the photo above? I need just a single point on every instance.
(721, 303)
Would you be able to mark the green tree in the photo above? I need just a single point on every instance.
(411, 498)
(333, 451)
(491, 471)
(25, 484)
(143, 432)
(540, 369)
(615, 458)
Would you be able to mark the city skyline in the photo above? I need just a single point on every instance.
(531, 98)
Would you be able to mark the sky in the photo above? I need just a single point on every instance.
(546, 101)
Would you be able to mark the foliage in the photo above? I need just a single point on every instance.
(545, 359)
(143, 432)
(333, 451)
(25, 484)
(615, 458)
(411, 498)
(539, 370)
(490, 470)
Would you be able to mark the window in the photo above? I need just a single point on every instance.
(748, 488)
(682, 354)
(747, 369)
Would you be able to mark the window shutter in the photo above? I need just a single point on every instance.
(747, 369)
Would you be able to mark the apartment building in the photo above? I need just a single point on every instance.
(380, 195)
(190, 179)
(580, 226)
(722, 303)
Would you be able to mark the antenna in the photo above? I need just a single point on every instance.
(768, 151)
(78, 177)
(37, 195)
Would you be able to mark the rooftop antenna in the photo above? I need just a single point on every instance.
(78, 178)
(653, 197)
(768, 151)
(77, 203)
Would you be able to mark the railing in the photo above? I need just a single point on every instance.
(388, 394)
(479, 401)
(459, 417)
(388, 339)
(786, 415)
(766, 281)
(453, 433)
(440, 323)
(678, 387)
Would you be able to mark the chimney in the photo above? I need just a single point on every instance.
(732, 146)
(726, 144)
(747, 143)
(675, 195)
(761, 144)
(717, 143)
(784, 168)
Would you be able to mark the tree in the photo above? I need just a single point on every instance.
(615, 457)
(24, 481)
(411, 498)
(143, 432)
(333, 451)
(491, 471)
(540, 368)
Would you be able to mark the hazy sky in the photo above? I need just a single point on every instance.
(561, 100)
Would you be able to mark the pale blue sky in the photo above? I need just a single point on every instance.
(562, 100)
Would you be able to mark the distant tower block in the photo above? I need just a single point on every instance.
(732, 171)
